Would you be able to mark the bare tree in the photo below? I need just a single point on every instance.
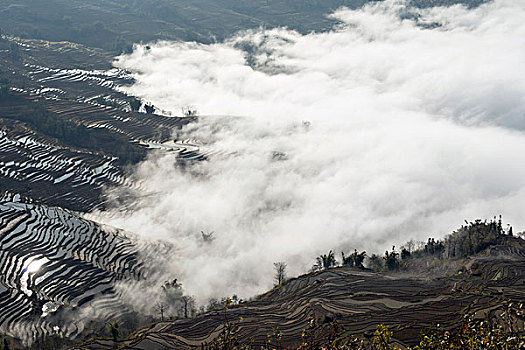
(280, 272)
(410, 245)
(188, 307)
(419, 245)
(160, 307)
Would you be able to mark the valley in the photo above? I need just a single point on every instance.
(110, 205)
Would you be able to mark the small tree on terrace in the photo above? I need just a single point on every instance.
(135, 104)
(391, 259)
(405, 254)
(280, 272)
(410, 245)
(355, 259)
(149, 108)
(114, 330)
(160, 308)
(325, 261)
(375, 263)
(188, 306)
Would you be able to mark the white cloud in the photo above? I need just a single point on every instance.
(412, 131)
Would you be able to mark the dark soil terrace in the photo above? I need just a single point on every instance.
(358, 300)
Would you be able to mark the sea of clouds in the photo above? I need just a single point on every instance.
(400, 123)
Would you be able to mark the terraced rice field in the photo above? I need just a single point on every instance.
(76, 84)
(66, 175)
(137, 126)
(357, 300)
(50, 259)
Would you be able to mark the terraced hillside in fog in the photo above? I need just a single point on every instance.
(54, 174)
(68, 132)
(52, 259)
(357, 300)
(340, 129)
(67, 135)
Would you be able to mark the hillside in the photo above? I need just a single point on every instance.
(66, 130)
(357, 300)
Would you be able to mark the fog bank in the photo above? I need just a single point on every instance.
(399, 124)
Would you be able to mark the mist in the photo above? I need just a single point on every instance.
(400, 123)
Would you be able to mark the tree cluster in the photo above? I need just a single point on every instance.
(150, 109)
(474, 237)
(325, 261)
(392, 259)
(135, 104)
(389, 261)
(173, 302)
(469, 239)
(355, 259)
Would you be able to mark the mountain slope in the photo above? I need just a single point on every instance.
(66, 131)
(358, 300)
(52, 259)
